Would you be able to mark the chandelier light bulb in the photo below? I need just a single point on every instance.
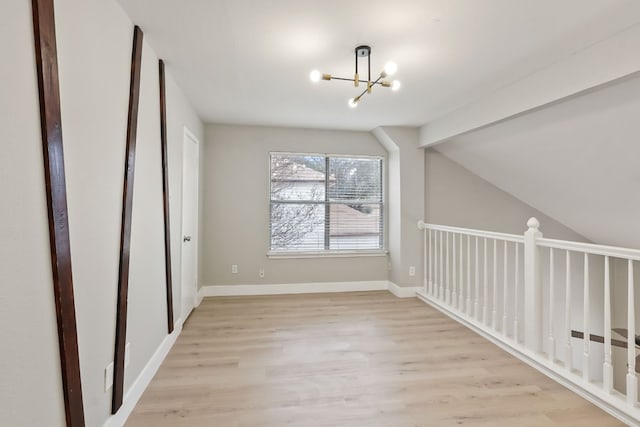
(390, 68)
(353, 103)
(395, 85)
(315, 76)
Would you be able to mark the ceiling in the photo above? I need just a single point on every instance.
(248, 61)
(576, 161)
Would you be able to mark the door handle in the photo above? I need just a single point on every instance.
(186, 239)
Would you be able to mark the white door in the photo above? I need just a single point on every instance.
(190, 160)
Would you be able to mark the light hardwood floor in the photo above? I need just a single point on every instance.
(351, 359)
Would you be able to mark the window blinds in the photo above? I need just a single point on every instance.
(326, 203)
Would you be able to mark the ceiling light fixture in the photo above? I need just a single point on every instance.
(361, 52)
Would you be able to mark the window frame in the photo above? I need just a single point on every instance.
(330, 253)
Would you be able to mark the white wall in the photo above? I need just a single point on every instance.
(236, 206)
(405, 192)
(180, 114)
(94, 52)
(30, 389)
(457, 197)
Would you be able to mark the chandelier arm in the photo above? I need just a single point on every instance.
(343, 78)
(365, 91)
(377, 82)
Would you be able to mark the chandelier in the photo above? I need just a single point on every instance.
(363, 52)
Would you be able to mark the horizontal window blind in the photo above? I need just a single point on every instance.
(326, 203)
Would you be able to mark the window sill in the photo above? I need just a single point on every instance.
(327, 254)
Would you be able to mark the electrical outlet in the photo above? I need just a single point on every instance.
(234, 269)
(108, 376)
(261, 273)
(127, 354)
(412, 271)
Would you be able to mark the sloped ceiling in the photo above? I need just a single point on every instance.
(248, 61)
(577, 161)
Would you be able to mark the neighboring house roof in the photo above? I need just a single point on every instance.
(346, 221)
(296, 172)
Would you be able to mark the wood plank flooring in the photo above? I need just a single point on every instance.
(350, 359)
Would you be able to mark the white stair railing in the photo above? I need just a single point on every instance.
(495, 283)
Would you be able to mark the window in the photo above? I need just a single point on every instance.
(322, 204)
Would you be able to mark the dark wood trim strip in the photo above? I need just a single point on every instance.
(53, 155)
(165, 194)
(125, 233)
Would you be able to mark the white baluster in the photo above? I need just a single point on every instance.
(476, 305)
(434, 279)
(532, 288)
(436, 264)
(461, 281)
(425, 249)
(552, 293)
(494, 313)
(454, 295)
(430, 267)
(632, 376)
(568, 362)
(586, 360)
(441, 293)
(485, 284)
(516, 332)
(468, 275)
(607, 366)
(434, 282)
(505, 300)
(447, 283)
(434, 272)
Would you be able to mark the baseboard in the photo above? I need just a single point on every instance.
(199, 296)
(403, 291)
(542, 364)
(306, 288)
(142, 382)
(292, 288)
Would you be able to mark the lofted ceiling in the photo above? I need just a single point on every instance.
(248, 61)
(576, 161)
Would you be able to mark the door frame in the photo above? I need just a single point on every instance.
(189, 138)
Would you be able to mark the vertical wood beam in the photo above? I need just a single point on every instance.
(125, 233)
(56, 191)
(165, 194)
